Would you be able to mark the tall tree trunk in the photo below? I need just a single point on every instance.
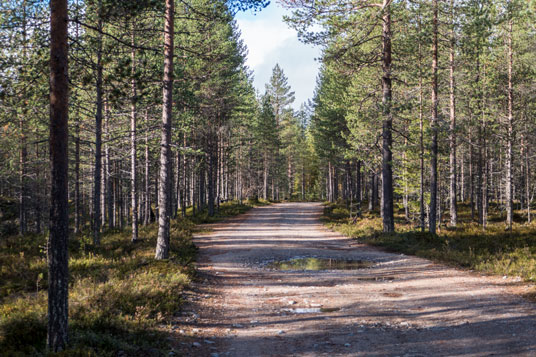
(434, 147)
(509, 134)
(107, 168)
(77, 176)
(98, 136)
(452, 128)
(58, 269)
(358, 187)
(265, 176)
(211, 176)
(23, 153)
(471, 177)
(485, 164)
(421, 155)
(462, 178)
(527, 181)
(387, 155)
(133, 117)
(162, 245)
(147, 215)
(289, 177)
(405, 198)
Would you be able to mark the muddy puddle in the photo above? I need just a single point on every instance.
(319, 264)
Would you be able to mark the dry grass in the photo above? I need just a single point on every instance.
(493, 250)
(120, 298)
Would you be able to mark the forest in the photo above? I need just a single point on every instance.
(123, 124)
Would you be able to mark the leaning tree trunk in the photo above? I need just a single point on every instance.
(434, 148)
(387, 155)
(58, 269)
(164, 187)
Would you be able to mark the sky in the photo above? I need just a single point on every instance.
(270, 41)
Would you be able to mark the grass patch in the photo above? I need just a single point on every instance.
(120, 297)
(493, 250)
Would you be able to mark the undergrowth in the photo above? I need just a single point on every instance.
(493, 250)
(121, 300)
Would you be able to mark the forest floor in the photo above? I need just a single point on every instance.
(399, 306)
(122, 301)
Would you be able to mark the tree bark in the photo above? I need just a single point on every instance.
(527, 182)
(421, 156)
(147, 215)
(77, 177)
(133, 117)
(452, 128)
(98, 136)
(107, 168)
(387, 155)
(434, 147)
(58, 269)
(164, 201)
(23, 153)
(509, 134)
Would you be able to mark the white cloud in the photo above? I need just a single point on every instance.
(262, 39)
(270, 41)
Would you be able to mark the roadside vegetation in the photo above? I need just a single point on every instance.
(494, 250)
(122, 301)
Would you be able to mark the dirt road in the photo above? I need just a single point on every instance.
(400, 306)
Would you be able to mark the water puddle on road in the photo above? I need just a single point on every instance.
(311, 310)
(319, 264)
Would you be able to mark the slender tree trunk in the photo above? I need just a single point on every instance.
(421, 155)
(358, 187)
(387, 155)
(509, 134)
(405, 199)
(178, 185)
(434, 147)
(463, 191)
(184, 179)
(328, 182)
(471, 178)
(485, 154)
(265, 176)
(210, 178)
(527, 181)
(289, 177)
(162, 245)
(98, 136)
(58, 269)
(133, 117)
(77, 200)
(147, 216)
(77, 176)
(23, 153)
(107, 168)
(452, 95)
